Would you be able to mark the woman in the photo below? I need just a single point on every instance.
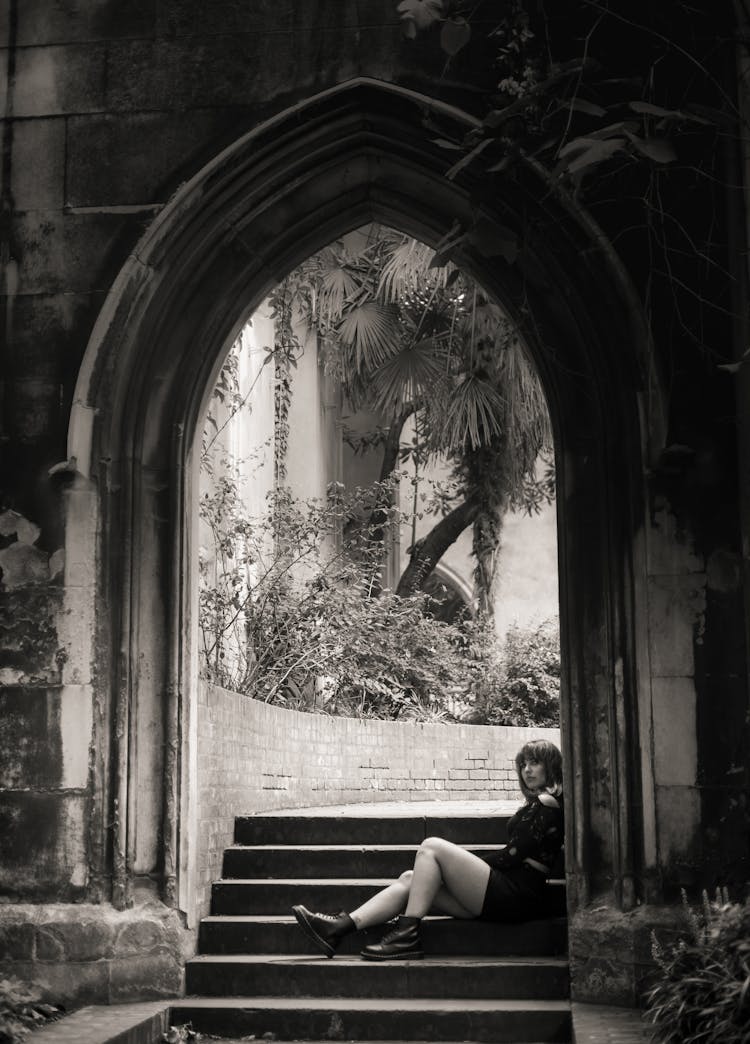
(447, 878)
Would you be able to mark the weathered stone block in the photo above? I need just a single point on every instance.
(22, 565)
(42, 846)
(69, 983)
(76, 730)
(610, 951)
(38, 147)
(34, 409)
(145, 977)
(49, 333)
(675, 739)
(16, 942)
(669, 550)
(72, 252)
(140, 937)
(56, 80)
(147, 154)
(89, 939)
(57, 21)
(30, 740)
(678, 813)
(190, 17)
(29, 648)
(76, 630)
(676, 608)
(206, 71)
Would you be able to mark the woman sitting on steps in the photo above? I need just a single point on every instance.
(506, 886)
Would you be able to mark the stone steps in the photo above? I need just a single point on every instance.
(257, 973)
(281, 935)
(386, 1019)
(348, 829)
(349, 976)
(321, 861)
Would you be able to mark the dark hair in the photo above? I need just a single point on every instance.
(547, 754)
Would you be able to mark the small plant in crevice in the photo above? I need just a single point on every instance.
(701, 992)
(183, 1034)
(22, 1010)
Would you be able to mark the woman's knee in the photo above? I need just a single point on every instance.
(434, 845)
(405, 878)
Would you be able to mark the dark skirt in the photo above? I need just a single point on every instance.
(514, 894)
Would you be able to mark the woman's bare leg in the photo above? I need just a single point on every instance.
(384, 904)
(447, 876)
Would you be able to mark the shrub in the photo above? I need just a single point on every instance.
(292, 613)
(521, 684)
(702, 991)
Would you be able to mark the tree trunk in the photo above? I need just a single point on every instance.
(379, 514)
(488, 527)
(428, 551)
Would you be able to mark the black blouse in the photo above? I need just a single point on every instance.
(536, 831)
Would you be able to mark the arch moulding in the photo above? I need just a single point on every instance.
(354, 154)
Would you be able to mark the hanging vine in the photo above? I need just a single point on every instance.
(287, 348)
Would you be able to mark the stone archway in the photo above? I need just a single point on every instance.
(358, 153)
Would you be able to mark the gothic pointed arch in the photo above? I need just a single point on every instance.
(357, 153)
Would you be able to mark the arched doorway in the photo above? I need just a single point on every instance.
(354, 154)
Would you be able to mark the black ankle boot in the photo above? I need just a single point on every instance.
(402, 943)
(325, 930)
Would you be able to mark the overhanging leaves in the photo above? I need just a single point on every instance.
(372, 330)
(473, 413)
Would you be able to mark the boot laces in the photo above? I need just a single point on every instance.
(329, 917)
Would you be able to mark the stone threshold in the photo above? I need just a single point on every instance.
(144, 1023)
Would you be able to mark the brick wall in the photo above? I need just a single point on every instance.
(254, 757)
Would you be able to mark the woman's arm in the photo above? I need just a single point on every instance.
(530, 833)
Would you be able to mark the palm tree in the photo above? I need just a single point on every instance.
(413, 339)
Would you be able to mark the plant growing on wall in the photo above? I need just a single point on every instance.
(629, 111)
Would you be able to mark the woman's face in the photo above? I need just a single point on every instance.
(533, 775)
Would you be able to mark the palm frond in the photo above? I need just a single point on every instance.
(411, 375)
(474, 414)
(407, 271)
(336, 285)
(372, 330)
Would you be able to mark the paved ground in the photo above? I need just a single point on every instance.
(436, 807)
(145, 1023)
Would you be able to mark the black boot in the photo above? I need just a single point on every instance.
(402, 943)
(325, 930)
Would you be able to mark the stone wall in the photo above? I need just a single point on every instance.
(45, 722)
(84, 953)
(255, 757)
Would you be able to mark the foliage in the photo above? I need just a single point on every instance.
(520, 684)
(627, 109)
(702, 993)
(292, 612)
(22, 1010)
(287, 613)
(184, 1034)
(409, 336)
(285, 351)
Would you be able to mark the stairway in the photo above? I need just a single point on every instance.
(257, 973)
